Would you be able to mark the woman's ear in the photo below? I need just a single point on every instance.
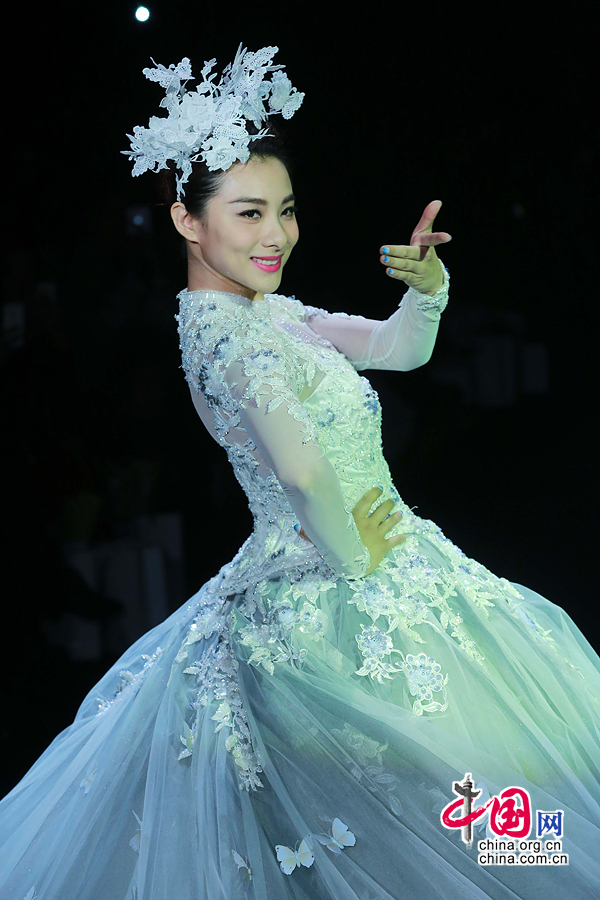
(183, 222)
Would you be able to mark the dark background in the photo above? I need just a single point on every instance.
(495, 439)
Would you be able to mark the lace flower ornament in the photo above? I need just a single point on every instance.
(210, 122)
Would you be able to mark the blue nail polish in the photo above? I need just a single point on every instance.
(385, 249)
(386, 259)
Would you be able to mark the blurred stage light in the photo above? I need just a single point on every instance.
(138, 220)
(142, 14)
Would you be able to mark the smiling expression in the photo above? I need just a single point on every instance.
(251, 219)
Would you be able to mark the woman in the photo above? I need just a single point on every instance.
(319, 719)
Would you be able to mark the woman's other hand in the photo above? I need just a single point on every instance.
(374, 527)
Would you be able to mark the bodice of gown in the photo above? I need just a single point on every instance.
(282, 400)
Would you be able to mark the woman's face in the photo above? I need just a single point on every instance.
(251, 218)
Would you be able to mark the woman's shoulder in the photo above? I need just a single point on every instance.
(213, 328)
(202, 304)
(301, 312)
(294, 308)
(205, 318)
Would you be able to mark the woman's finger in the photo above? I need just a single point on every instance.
(391, 522)
(431, 240)
(366, 501)
(380, 514)
(427, 219)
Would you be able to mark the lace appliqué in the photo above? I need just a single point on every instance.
(422, 672)
(542, 635)
(367, 763)
(344, 415)
(480, 585)
(130, 683)
(418, 586)
(433, 305)
(262, 365)
(424, 675)
(216, 679)
(235, 355)
(269, 636)
(417, 582)
(212, 337)
(271, 641)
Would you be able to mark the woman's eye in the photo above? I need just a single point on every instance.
(248, 212)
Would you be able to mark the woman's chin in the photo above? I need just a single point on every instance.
(250, 283)
(266, 285)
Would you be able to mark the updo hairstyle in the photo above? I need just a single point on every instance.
(203, 185)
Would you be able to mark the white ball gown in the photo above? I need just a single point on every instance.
(296, 728)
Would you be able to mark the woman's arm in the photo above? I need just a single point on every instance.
(281, 430)
(404, 341)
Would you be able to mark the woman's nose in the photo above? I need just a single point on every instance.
(275, 235)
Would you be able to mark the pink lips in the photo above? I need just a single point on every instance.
(274, 268)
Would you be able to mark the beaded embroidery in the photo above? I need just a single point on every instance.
(215, 676)
(130, 683)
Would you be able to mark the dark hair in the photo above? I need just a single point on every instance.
(203, 185)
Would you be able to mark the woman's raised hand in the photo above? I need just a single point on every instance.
(374, 527)
(417, 264)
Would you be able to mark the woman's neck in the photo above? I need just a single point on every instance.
(196, 283)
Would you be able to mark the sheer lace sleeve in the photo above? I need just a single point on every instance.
(263, 391)
(404, 341)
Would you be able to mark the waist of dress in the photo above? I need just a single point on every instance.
(276, 552)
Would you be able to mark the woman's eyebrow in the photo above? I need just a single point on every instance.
(260, 202)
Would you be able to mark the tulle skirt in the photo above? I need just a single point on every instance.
(301, 739)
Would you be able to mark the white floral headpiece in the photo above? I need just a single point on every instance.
(209, 123)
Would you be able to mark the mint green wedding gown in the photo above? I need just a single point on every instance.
(294, 731)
